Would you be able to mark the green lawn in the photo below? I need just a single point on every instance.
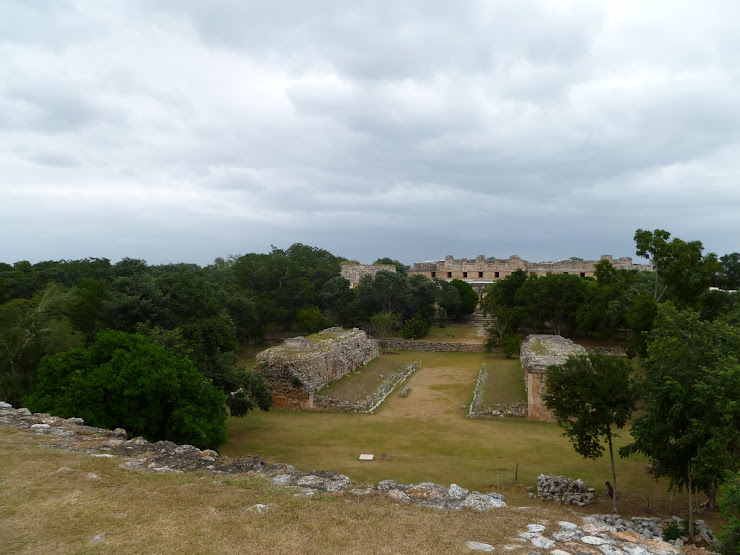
(505, 383)
(358, 385)
(428, 438)
(455, 334)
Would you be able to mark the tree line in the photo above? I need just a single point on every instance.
(687, 383)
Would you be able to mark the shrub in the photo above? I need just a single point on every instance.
(511, 344)
(311, 320)
(123, 380)
(729, 536)
(415, 328)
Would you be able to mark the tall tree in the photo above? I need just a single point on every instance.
(682, 272)
(590, 395)
(691, 428)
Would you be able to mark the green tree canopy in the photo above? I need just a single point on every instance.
(682, 272)
(590, 395)
(123, 380)
(691, 428)
(468, 297)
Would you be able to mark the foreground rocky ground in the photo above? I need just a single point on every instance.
(579, 535)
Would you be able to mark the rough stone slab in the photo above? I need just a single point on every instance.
(537, 528)
(542, 542)
(478, 546)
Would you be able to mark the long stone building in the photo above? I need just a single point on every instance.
(482, 271)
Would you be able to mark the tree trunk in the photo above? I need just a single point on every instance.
(691, 502)
(614, 472)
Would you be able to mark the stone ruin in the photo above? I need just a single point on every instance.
(355, 272)
(537, 353)
(564, 490)
(301, 366)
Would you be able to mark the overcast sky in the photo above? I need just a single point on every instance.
(185, 130)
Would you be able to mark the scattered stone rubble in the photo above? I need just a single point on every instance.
(594, 537)
(563, 490)
(165, 456)
(654, 527)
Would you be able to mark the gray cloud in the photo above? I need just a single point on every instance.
(179, 130)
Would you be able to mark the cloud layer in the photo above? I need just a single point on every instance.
(183, 130)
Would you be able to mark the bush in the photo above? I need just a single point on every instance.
(415, 328)
(311, 320)
(254, 393)
(123, 380)
(729, 536)
(511, 344)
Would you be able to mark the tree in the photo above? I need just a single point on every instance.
(729, 274)
(590, 395)
(415, 328)
(691, 428)
(123, 380)
(30, 329)
(729, 536)
(468, 296)
(382, 324)
(254, 393)
(400, 267)
(682, 272)
(310, 319)
(552, 300)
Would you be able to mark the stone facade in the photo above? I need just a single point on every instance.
(537, 353)
(355, 272)
(481, 271)
(301, 366)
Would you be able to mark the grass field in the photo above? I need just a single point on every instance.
(505, 383)
(428, 438)
(456, 334)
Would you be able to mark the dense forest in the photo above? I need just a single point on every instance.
(205, 314)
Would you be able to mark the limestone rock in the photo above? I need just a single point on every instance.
(427, 491)
(398, 495)
(481, 502)
(456, 493)
(478, 546)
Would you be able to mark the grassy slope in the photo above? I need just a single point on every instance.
(44, 510)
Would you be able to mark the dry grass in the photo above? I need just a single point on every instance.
(45, 510)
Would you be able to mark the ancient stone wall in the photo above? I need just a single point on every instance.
(301, 366)
(355, 272)
(430, 346)
(537, 353)
(488, 270)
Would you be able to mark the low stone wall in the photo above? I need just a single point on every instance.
(372, 401)
(429, 346)
(564, 490)
(479, 410)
